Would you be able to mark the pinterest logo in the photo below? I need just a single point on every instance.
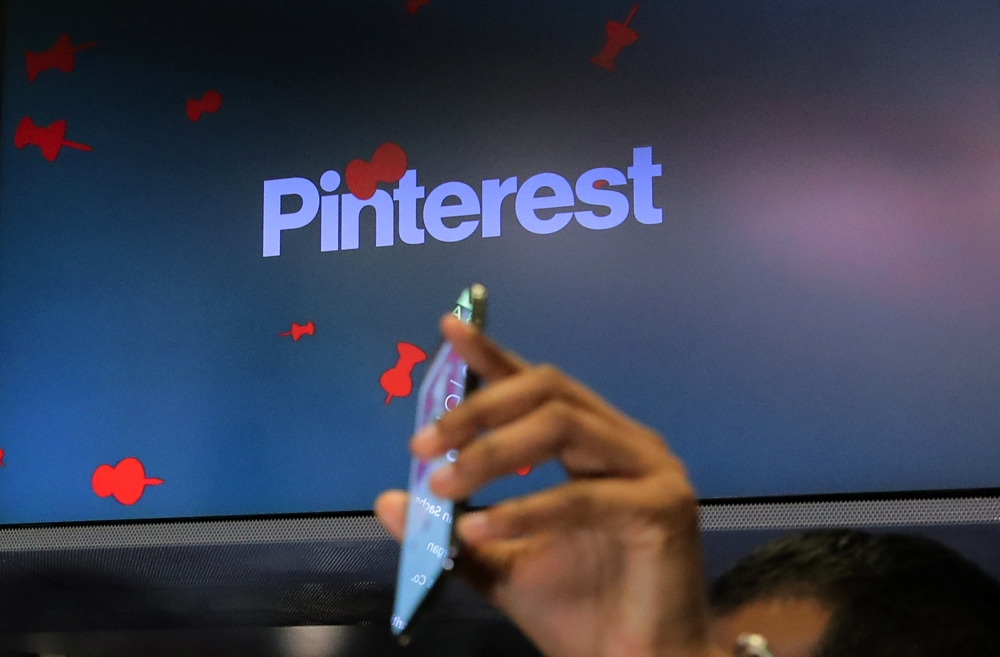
(599, 199)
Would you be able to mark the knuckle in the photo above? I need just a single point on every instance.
(464, 419)
(504, 520)
(510, 519)
(683, 500)
(674, 501)
(473, 415)
(558, 417)
(509, 359)
(550, 377)
(449, 422)
(487, 454)
(469, 464)
(479, 461)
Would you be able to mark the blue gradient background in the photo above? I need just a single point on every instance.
(818, 312)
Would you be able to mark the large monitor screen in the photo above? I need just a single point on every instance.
(770, 230)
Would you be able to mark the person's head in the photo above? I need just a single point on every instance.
(840, 593)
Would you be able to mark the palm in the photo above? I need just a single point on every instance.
(565, 587)
(584, 591)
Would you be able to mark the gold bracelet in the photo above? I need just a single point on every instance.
(752, 645)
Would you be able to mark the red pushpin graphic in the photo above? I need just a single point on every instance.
(397, 381)
(299, 330)
(388, 165)
(210, 102)
(2, 464)
(60, 56)
(127, 481)
(618, 35)
(50, 139)
(413, 5)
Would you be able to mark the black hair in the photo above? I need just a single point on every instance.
(891, 595)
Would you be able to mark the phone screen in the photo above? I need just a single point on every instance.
(425, 550)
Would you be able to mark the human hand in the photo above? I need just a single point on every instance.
(606, 564)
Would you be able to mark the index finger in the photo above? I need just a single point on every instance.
(483, 356)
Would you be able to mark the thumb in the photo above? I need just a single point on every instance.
(484, 357)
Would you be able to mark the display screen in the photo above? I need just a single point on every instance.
(771, 231)
(426, 549)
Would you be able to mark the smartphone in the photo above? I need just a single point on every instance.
(429, 548)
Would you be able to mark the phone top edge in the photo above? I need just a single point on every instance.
(478, 297)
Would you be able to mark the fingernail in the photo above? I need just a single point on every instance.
(427, 442)
(443, 481)
(473, 527)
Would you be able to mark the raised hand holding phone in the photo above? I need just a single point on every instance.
(608, 563)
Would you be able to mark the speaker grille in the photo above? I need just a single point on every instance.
(876, 513)
(161, 575)
(302, 571)
(189, 533)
